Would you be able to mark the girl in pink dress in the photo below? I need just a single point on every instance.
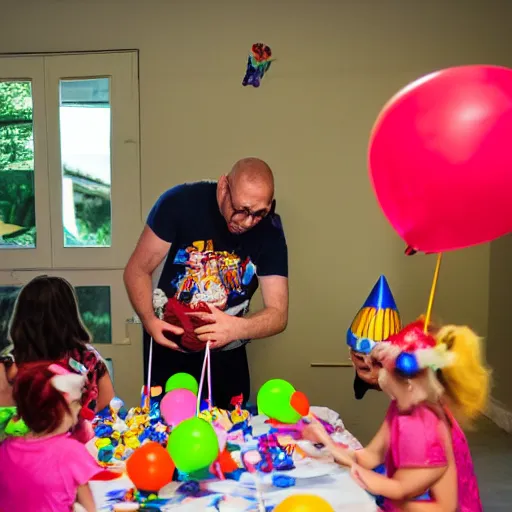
(432, 379)
(46, 470)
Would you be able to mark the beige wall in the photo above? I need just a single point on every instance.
(337, 63)
(499, 348)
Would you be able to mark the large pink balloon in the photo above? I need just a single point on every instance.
(178, 405)
(440, 158)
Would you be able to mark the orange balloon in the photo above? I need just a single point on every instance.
(300, 403)
(304, 503)
(227, 464)
(150, 467)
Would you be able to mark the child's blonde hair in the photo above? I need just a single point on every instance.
(466, 381)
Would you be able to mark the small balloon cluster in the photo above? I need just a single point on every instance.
(191, 446)
(119, 432)
(279, 400)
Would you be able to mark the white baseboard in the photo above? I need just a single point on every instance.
(500, 415)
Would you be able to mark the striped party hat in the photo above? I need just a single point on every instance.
(376, 320)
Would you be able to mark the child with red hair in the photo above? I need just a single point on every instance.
(47, 470)
(433, 378)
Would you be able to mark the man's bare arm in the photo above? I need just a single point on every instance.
(273, 318)
(148, 254)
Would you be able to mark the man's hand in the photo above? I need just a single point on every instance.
(156, 329)
(221, 328)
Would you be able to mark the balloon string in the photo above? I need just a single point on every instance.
(432, 293)
(147, 403)
(206, 369)
(210, 398)
(251, 468)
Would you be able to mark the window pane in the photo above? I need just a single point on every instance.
(17, 204)
(94, 304)
(85, 121)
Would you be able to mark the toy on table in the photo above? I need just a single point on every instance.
(258, 63)
(132, 499)
(377, 319)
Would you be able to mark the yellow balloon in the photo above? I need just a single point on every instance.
(304, 503)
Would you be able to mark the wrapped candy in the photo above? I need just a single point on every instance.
(103, 430)
(102, 442)
(105, 453)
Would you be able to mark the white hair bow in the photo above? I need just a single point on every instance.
(70, 384)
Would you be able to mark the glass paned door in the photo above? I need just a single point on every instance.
(93, 133)
(24, 204)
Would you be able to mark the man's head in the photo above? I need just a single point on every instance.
(246, 194)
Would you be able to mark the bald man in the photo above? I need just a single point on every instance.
(220, 240)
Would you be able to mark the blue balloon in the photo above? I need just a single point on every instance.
(407, 364)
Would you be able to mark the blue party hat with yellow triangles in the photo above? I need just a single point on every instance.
(376, 320)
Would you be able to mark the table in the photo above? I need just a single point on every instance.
(318, 477)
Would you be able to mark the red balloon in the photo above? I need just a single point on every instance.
(300, 403)
(150, 467)
(440, 158)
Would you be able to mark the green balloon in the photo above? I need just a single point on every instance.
(193, 445)
(274, 401)
(182, 381)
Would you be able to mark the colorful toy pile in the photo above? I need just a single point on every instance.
(119, 432)
(236, 423)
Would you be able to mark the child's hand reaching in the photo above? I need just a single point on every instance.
(359, 474)
(316, 433)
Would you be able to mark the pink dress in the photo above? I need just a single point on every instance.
(43, 475)
(415, 442)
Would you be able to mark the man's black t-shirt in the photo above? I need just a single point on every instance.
(207, 263)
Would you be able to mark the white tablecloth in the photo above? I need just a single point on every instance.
(320, 478)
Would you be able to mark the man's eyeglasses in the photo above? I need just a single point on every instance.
(246, 212)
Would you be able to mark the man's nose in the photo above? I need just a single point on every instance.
(248, 222)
